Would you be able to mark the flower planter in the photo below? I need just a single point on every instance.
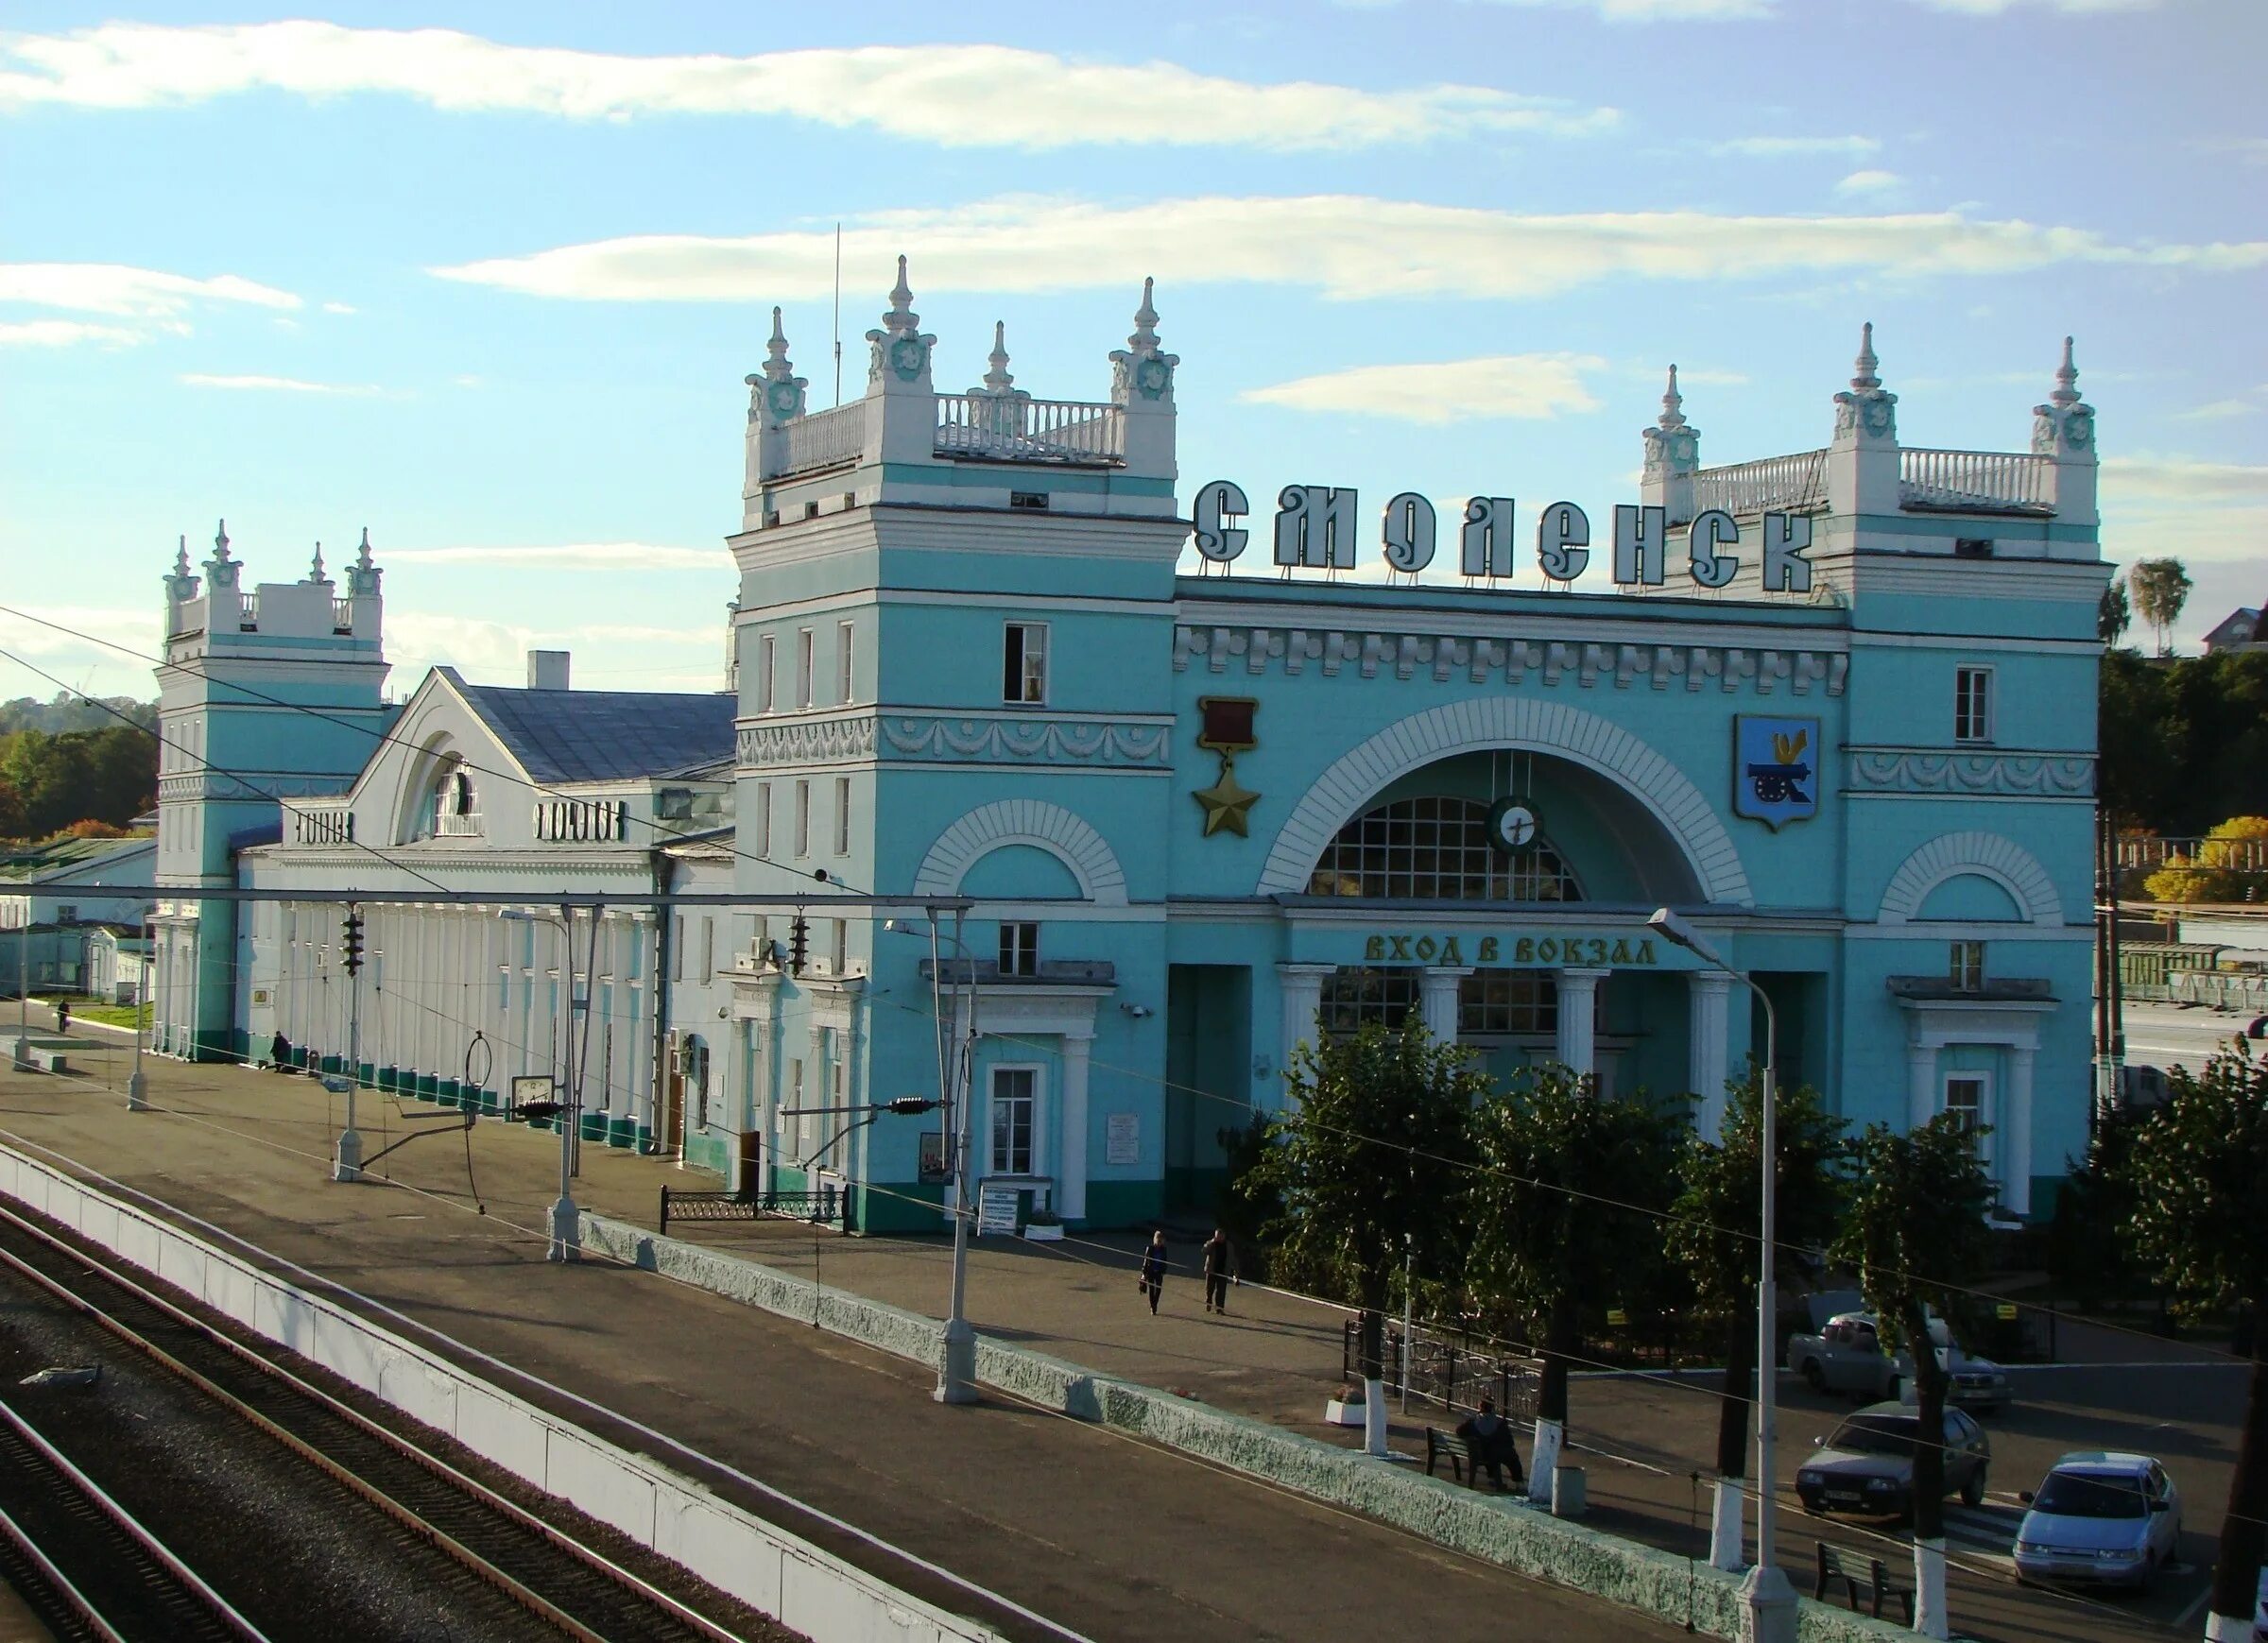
(1035, 1232)
(1339, 1412)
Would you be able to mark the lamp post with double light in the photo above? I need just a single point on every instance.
(1766, 1597)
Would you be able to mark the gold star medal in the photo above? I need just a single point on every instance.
(1225, 803)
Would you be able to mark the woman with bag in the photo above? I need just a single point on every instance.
(1152, 1281)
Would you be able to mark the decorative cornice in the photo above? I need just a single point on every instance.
(252, 785)
(1695, 666)
(1007, 739)
(2000, 775)
(806, 742)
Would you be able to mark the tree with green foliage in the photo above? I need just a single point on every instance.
(1712, 1236)
(2184, 742)
(2114, 612)
(1914, 1233)
(108, 775)
(2193, 1175)
(2161, 587)
(2222, 868)
(1368, 1158)
(1565, 1207)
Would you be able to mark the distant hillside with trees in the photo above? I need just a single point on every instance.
(76, 779)
(68, 713)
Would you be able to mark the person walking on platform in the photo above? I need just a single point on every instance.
(63, 1014)
(1152, 1282)
(1220, 1265)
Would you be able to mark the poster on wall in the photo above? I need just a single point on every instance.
(1121, 1138)
(996, 1208)
(932, 1159)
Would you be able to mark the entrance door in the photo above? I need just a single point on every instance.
(751, 1162)
(672, 1103)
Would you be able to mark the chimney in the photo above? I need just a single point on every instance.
(547, 670)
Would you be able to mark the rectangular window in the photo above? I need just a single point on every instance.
(840, 1066)
(844, 674)
(1966, 966)
(1972, 704)
(804, 1123)
(676, 962)
(803, 667)
(1015, 1094)
(842, 815)
(1024, 669)
(766, 677)
(1019, 950)
(802, 818)
(708, 949)
(1965, 1098)
(762, 830)
(838, 944)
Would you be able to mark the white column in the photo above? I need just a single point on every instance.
(1437, 1001)
(1579, 1004)
(1070, 1175)
(1921, 1085)
(1708, 1033)
(1302, 986)
(2015, 1145)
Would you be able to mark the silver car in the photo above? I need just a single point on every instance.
(2100, 1517)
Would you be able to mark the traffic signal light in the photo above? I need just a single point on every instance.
(798, 944)
(351, 942)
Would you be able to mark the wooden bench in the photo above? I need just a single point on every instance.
(1441, 1440)
(1837, 1564)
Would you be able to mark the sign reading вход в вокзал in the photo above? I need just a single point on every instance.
(1315, 530)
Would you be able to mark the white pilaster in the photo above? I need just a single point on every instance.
(1070, 1173)
(1578, 1005)
(1301, 987)
(1707, 1032)
(1437, 1001)
(2016, 1146)
(1921, 1085)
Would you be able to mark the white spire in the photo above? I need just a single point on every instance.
(316, 575)
(180, 560)
(2067, 380)
(776, 366)
(1866, 382)
(1144, 343)
(996, 379)
(220, 542)
(1673, 413)
(362, 557)
(901, 320)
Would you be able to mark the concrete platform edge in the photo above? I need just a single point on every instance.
(1496, 1527)
(802, 1585)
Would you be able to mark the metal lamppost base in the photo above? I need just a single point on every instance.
(137, 1094)
(566, 1231)
(348, 1166)
(1768, 1605)
(956, 1376)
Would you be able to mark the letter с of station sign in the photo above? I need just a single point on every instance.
(1786, 537)
(1703, 537)
(1216, 538)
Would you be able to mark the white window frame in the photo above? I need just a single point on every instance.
(801, 1130)
(1980, 731)
(804, 644)
(1035, 1146)
(708, 947)
(768, 681)
(845, 657)
(1019, 941)
(764, 818)
(842, 816)
(1023, 659)
(802, 840)
(1963, 976)
(1984, 1081)
(838, 945)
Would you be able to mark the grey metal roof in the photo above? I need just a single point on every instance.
(606, 735)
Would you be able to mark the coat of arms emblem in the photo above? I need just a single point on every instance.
(1775, 769)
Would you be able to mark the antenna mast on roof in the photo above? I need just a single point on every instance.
(838, 313)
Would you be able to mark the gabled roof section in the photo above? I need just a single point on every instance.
(570, 736)
(63, 861)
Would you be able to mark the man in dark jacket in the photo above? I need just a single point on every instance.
(1220, 1266)
(1488, 1443)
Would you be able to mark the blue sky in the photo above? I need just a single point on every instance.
(486, 279)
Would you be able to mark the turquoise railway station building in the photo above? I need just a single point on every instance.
(1223, 763)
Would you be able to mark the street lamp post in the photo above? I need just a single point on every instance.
(137, 1091)
(566, 1220)
(1766, 1597)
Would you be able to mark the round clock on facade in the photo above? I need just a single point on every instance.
(1512, 825)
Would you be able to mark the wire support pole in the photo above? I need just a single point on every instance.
(956, 1367)
(347, 1165)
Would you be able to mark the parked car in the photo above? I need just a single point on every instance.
(2100, 1517)
(1847, 1356)
(1866, 1466)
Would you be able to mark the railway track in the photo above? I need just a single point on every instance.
(475, 1530)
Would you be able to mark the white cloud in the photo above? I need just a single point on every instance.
(2251, 150)
(954, 95)
(626, 557)
(2183, 479)
(1660, 10)
(338, 308)
(279, 385)
(1347, 247)
(1526, 386)
(138, 293)
(416, 641)
(1994, 7)
(1796, 147)
(1864, 182)
(64, 334)
(2216, 410)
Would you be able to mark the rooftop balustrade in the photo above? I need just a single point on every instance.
(1770, 485)
(1009, 428)
(1974, 481)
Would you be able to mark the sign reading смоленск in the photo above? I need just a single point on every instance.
(1316, 529)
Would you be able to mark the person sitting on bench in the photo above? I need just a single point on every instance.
(1488, 1440)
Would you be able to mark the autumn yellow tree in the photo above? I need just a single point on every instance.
(2228, 863)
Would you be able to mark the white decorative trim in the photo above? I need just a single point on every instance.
(1480, 658)
(2004, 860)
(805, 741)
(1491, 721)
(1023, 821)
(1014, 739)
